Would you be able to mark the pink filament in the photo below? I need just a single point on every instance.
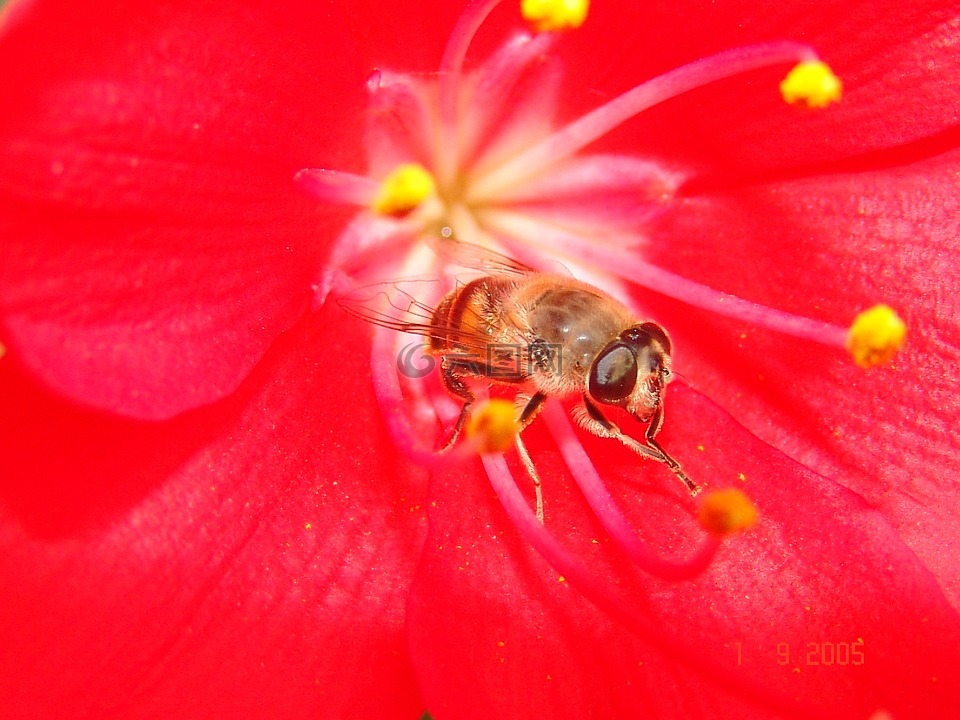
(337, 187)
(607, 512)
(394, 407)
(499, 84)
(599, 122)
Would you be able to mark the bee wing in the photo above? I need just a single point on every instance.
(405, 305)
(472, 256)
(395, 304)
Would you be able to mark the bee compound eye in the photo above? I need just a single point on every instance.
(659, 334)
(641, 336)
(613, 375)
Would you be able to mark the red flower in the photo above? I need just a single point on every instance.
(201, 512)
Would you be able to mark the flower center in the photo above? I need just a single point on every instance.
(478, 155)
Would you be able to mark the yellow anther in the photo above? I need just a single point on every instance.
(875, 336)
(812, 83)
(492, 426)
(403, 190)
(550, 15)
(727, 511)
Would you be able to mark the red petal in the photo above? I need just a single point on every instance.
(243, 560)
(776, 627)
(411, 36)
(828, 247)
(154, 240)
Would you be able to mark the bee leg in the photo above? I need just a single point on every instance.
(656, 422)
(532, 472)
(455, 433)
(454, 384)
(530, 411)
(597, 423)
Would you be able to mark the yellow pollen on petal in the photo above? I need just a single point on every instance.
(875, 336)
(404, 189)
(492, 426)
(552, 15)
(727, 511)
(812, 83)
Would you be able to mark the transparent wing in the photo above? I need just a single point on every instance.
(479, 258)
(396, 304)
(409, 306)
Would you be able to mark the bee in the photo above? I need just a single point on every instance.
(546, 334)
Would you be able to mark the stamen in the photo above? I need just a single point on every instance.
(492, 426)
(727, 511)
(875, 336)
(811, 83)
(606, 510)
(553, 15)
(610, 598)
(403, 190)
(872, 340)
(599, 122)
(627, 264)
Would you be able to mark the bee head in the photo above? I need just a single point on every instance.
(631, 370)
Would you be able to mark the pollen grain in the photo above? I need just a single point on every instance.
(811, 83)
(492, 426)
(875, 336)
(404, 189)
(553, 15)
(727, 511)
